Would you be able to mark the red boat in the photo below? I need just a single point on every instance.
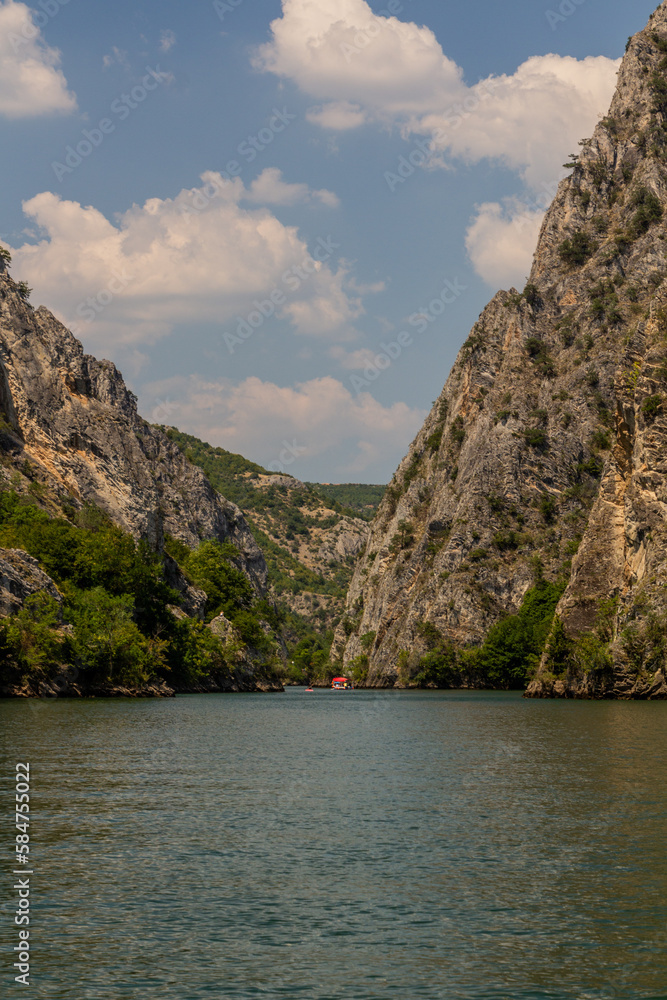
(341, 684)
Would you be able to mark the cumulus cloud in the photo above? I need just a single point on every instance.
(340, 50)
(200, 256)
(337, 115)
(31, 81)
(530, 120)
(270, 189)
(371, 67)
(167, 40)
(286, 427)
(501, 241)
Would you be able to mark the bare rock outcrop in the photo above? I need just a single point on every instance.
(70, 424)
(20, 577)
(547, 445)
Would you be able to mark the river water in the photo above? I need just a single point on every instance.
(362, 845)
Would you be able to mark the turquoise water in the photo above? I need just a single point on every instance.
(360, 845)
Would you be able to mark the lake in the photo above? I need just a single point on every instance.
(360, 845)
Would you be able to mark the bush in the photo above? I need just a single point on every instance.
(117, 602)
(506, 541)
(513, 646)
(535, 437)
(649, 210)
(651, 407)
(458, 431)
(433, 442)
(548, 508)
(367, 640)
(600, 441)
(577, 249)
(107, 642)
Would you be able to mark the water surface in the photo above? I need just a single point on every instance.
(359, 845)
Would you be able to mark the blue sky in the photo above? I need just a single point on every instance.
(280, 220)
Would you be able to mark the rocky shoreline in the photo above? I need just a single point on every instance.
(67, 685)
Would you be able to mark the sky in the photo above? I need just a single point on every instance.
(281, 220)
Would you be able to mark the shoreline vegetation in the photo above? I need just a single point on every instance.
(103, 618)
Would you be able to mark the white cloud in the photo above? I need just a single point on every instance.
(366, 66)
(200, 256)
(501, 241)
(117, 56)
(364, 357)
(340, 50)
(287, 426)
(31, 81)
(530, 120)
(167, 40)
(270, 189)
(337, 115)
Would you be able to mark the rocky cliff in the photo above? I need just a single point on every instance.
(72, 445)
(70, 428)
(544, 457)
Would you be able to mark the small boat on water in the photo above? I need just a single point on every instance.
(309, 689)
(341, 684)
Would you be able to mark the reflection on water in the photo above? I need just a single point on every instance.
(361, 845)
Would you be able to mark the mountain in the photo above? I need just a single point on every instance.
(104, 517)
(524, 536)
(310, 536)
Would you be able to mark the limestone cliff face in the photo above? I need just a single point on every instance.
(549, 440)
(70, 424)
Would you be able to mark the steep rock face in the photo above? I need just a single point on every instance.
(70, 424)
(21, 576)
(549, 438)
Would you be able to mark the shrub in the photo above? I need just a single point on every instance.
(651, 407)
(600, 440)
(536, 438)
(434, 441)
(649, 210)
(531, 294)
(506, 540)
(558, 652)
(404, 537)
(534, 346)
(548, 507)
(458, 431)
(513, 646)
(367, 641)
(576, 249)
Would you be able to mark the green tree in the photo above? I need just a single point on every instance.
(107, 642)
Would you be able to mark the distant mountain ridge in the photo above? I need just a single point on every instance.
(310, 534)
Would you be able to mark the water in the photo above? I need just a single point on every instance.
(360, 845)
